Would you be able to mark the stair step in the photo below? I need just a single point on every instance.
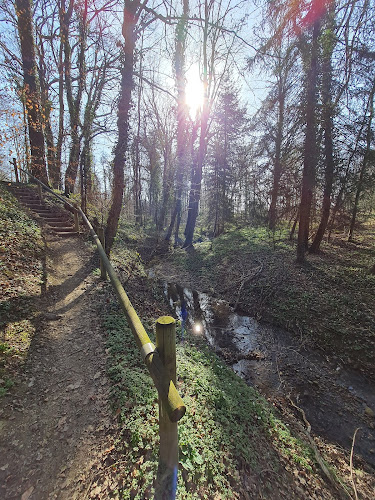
(67, 234)
(55, 220)
(35, 206)
(29, 199)
(61, 229)
(42, 212)
(51, 217)
(58, 223)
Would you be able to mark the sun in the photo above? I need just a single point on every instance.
(194, 91)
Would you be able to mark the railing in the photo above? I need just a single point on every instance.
(160, 361)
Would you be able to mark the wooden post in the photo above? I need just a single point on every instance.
(40, 192)
(166, 482)
(101, 236)
(14, 162)
(76, 222)
(76, 219)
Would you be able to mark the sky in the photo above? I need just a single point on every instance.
(158, 62)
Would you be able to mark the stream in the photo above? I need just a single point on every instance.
(336, 400)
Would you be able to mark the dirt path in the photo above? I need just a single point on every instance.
(55, 425)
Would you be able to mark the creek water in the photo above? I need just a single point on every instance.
(336, 400)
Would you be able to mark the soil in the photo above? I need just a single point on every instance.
(56, 425)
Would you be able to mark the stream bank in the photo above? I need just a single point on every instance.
(335, 400)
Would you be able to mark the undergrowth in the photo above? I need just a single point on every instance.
(228, 429)
(21, 273)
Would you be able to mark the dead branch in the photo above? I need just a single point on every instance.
(318, 457)
(351, 464)
(246, 280)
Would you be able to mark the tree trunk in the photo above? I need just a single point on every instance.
(74, 102)
(310, 148)
(128, 31)
(196, 178)
(60, 136)
(366, 158)
(31, 94)
(341, 194)
(195, 188)
(272, 215)
(92, 103)
(167, 182)
(181, 32)
(46, 105)
(137, 162)
(328, 46)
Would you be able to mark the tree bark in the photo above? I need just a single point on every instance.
(137, 186)
(196, 177)
(60, 135)
(31, 91)
(92, 103)
(277, 169)
(74, 102)
(365, 162)
(328, 46)
(181, 32)
(196, 182)
(54, 172)
(128, 30)
(310, 148)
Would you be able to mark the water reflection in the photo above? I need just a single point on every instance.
(214, 319)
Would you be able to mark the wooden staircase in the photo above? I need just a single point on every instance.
(60, 223)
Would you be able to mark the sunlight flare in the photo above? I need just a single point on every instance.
(194, 91)
(197, 328)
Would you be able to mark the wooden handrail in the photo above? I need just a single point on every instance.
(168, 393)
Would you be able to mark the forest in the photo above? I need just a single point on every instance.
(224, 151)
(201, 114)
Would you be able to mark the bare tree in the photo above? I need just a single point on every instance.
(328, 44)
(132, 11)
(74, 99)
(217, 51)
(182, 115)
(310, 146)
(31, 90)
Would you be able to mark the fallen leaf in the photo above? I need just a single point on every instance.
(28, 493)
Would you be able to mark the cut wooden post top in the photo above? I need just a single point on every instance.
(166, 320)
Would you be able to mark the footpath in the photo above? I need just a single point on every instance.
(55, 424)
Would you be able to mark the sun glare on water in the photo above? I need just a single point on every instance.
(193, 91)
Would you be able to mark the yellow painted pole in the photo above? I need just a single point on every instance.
(166, 482)
(101, 235)
(167, 392)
